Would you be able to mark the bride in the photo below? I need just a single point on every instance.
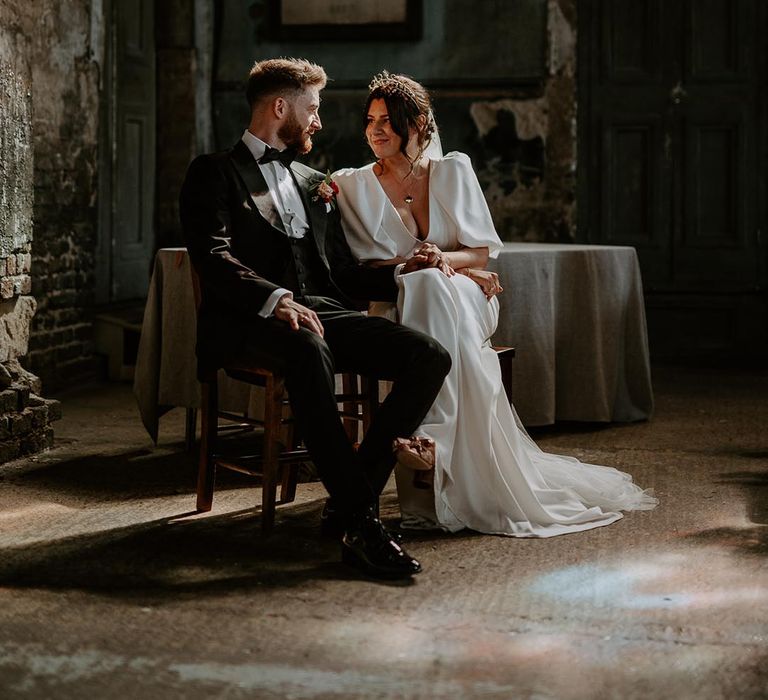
(424, 213)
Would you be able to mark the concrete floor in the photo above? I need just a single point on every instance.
(111, 587)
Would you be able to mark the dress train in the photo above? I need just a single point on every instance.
(490, 476)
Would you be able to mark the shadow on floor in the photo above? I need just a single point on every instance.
(127, 476)
(751, 540)
(176, 557)
(755, 487)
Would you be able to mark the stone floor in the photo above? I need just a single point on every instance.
(110, 586)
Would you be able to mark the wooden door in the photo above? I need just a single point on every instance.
(127, 179)
(672, 144)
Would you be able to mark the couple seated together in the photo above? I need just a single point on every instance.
(285, 255)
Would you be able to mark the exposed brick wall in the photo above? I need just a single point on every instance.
(15, 279)
(65, 137)
(25, 422)
(25, 417)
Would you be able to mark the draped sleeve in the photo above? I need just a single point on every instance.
(361, 204)
(455, 187)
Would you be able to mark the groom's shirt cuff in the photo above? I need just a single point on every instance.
(269, 305)
(398, 270)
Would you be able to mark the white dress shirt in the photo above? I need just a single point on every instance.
(288, 203)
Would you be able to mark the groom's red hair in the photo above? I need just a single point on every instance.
(280, 76)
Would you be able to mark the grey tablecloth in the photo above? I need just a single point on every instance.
(575, 314)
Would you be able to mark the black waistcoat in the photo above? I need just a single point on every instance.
(304, 272)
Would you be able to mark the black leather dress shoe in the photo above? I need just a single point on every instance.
(368, 546)
(333, 523)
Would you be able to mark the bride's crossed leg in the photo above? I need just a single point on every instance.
(455, 311)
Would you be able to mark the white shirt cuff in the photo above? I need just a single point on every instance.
(398, 270)
(271, 302)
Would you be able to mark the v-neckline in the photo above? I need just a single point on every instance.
(397, 213)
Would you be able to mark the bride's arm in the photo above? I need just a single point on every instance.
(471, 262)
(467, 257)
(466, 261)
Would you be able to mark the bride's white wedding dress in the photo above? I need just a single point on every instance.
(489, 475)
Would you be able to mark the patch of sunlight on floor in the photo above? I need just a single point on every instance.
(705, 578)
(50, 522)
(38, 509)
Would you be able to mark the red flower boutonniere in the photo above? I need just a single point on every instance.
(325, 190)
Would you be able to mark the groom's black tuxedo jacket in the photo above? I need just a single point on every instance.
(241, 258)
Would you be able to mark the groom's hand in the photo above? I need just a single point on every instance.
(296, 316)
(415, 262)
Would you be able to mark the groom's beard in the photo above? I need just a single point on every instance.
(293, 135)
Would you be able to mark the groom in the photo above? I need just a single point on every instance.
(277, 277)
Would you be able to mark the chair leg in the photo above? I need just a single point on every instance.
(273, 407)
(208, 431)
(349, 386)
(290, 470)
(506, 375)
(369, 387)
(290, 480)
(190, 427)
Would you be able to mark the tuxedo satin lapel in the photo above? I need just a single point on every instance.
(318, 217)
(249, 170)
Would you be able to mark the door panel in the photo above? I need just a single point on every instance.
(714, 151)
(630, 41)
(713, 46)
(630, 160)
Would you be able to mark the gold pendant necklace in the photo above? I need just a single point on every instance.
(408, 199)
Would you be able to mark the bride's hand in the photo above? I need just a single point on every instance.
(487, 281)
(435, 258)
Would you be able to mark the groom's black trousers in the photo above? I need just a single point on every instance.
(372, 346)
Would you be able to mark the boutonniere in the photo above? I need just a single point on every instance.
(325, 190)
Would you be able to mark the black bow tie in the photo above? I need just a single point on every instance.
(285, 157)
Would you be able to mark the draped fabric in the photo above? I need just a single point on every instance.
(489, 476)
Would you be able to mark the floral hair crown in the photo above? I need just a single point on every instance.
(392, 84)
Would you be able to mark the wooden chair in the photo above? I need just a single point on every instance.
(506, 355)
(281, 450)
(277, 463)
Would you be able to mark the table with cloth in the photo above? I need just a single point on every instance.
(574, 313)
(576, 317)
(166, 365)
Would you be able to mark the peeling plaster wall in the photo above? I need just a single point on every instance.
(527, 164)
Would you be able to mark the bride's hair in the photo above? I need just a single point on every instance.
(406, 101)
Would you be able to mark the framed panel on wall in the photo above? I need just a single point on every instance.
(340, 20)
